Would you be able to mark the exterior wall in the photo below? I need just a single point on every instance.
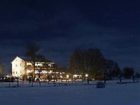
(18, 67)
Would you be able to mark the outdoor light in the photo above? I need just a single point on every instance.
(67, 76)
(36, 72)
(44, 72)
(50, 71)
(75, 75)
(61, 76)
(29, 71)
(86, 75)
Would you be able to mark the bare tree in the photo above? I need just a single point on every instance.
(32, 50)
(89, 61)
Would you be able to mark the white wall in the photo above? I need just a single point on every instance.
(18, 67)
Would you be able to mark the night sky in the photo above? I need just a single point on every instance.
(61, 26)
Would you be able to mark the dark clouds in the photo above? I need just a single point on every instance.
(62, 26)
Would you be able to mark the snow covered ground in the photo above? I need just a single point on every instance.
(112, 94)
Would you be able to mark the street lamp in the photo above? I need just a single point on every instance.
(67, 76)
(86, 75)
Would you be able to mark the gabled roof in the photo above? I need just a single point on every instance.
(28, 60)
(17, 58)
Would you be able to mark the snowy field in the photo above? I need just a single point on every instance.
(112, 94)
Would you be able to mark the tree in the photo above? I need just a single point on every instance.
(1, 70)
(113, 69)
(76, 61)
(32, 50)
(120, 76)
(40, 58)
(128, 72)
(89, 61)
(137, 75)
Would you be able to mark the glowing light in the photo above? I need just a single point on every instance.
(28, 63)
(44, 72)
(50, 71)
(67, 76)
(29, 71)
(61, 76)
(86, 75)
(36, 72)
(75, 76)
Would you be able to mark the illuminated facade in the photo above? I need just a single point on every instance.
(18, 67)
(21, 67)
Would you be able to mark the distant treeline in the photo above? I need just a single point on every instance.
(93, 62)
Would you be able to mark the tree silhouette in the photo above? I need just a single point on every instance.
(32, 50)
(89, 61)
(113, 69)
(1, 70)
(93, 62)
(128, 72)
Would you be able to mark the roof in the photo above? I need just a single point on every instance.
(29, 60)
(17, 57)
